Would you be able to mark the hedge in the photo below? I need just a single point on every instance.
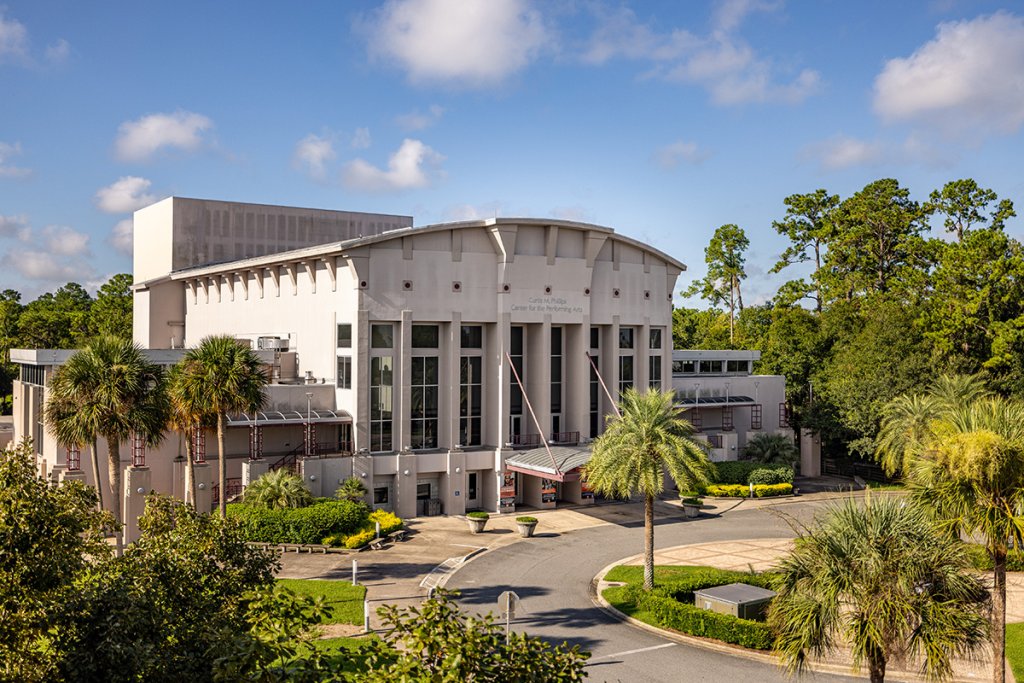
(700, 622)
(741, 491)
(749, 472)
(682, 589)
(309, 524)
(982, 561)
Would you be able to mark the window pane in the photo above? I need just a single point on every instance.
(430, 402)
(516, 341)
(430, 370)
(381, 336)
(424, 336)
(595, 337)
(416, 409)
(656, 338)
(556, 369)
(556, 340)
(344, 372)
(625, 337)
(476, 369)
(626, 368)
(344, 336)
(472, 337)
(380, 495)
(417, 371)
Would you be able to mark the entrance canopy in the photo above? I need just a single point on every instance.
(538, 462)
(289, 417)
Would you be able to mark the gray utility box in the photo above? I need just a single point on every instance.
(738, 599)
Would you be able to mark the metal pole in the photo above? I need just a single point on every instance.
(378, 529)
(366, 615)
(355, 572)
(536, 422)
(604, 386)
(508, 617)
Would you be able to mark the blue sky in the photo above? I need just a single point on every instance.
(662, 120)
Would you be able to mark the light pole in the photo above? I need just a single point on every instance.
(309, 423)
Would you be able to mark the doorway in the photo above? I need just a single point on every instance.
(472, 490)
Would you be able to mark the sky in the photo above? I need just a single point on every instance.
(661, 120)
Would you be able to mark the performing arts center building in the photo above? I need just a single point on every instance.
(448, 367)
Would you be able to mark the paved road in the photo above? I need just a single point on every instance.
(553, 573)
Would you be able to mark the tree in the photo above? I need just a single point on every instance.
(808, 225)
(221, 376)
(884, 580)
(964, 460)
(962, 203)
(772, 449)
(725, 259)
(636, 450)
(278, 489)
(49, 535)
(57, 321)
(352, 489)
(74, 418)
(696, 329)
(125, 395)
(186, 418)
(10, 312)
(111, 313)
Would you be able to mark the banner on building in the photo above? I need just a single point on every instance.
(585, 490)
(507, 496)
(547, 491)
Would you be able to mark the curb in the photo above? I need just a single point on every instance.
(735, 650)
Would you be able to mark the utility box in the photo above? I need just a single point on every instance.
(738, 599)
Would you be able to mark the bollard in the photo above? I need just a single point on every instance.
(378, 529)
(751, 490)
(366, 615)
(355, 573)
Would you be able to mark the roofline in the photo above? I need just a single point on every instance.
(274, 206)
(327, 248)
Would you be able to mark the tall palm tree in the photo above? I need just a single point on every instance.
(882, 579)
(962, 453)
(772, 449)
(73, 424)
(278, 489)
(632, 456)
(218, 377)
(122, 394)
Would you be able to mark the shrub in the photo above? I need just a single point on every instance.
(299, 525)
(334, 540)
(741, 491)
(746, 472)
(359, 539)
(774, 449)
(692, 501)
(352, 489)
(982, 561)
(526, 520)
(478, 514)
(278, 489)
(771, 475)
(389, 521)
(699, 622)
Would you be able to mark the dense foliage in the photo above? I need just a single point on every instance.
(310, 524)
(278, 489)
(747, 472)
(887, 303)
(742, 491)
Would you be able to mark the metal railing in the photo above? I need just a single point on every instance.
(525, 440)
(233, 487)
(565, 438)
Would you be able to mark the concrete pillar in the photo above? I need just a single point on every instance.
(576, 401)
(311, 470)
(72, 475)
(405, 486)
(494, 486)
(449, 391)
(572, 492)
(402, 412)
(810, 454)
(502, 335)
(453, 484)
(204, 487)
(253, 470)
(641, 355)
(137, 483)
(610, 362)
(179, 478)
(361, 358)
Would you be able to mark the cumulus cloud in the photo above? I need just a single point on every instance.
(417, 120)
(13, 39)
(361, 139)
(58, 51)
(312, 154)
(126, 194)
(673, 154)
(8, 169)
(461, 43)
(122, 237)
(14, 226)
(842, 151)
(65, 241)
(414, 165)
(141, 139)
(42, 265)
(969, 78)
(719, 61)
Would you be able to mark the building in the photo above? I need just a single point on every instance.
(449, 367)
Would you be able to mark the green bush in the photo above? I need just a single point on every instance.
(361, 538)
(704, 623)
(982, 561)
(389, 521)
(771, 475)
(748, 472)
(299, 525)
(334, 540)
(526, 520)
(741, 491)
(478, 514)
(692, 501)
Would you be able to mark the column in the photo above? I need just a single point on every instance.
(403, 390)
(641, 356)
(577, 377)
(137, 483)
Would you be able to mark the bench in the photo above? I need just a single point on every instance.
(397, 535)
(315, 547)
(378, 544)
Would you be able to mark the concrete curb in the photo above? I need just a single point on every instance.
(596, 589)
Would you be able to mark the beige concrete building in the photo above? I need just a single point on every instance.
(448, 367)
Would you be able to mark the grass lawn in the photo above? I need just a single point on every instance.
(886, 485)
(344, 601)
(635, 574)
(1015, 649)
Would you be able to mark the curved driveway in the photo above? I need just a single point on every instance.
(553, 574)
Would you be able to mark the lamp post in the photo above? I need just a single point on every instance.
(309, 423)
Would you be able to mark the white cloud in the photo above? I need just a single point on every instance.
(673, 154)
(463, 43)
(122, 237)
(361, 139)
(471, 212)
(721, 61)
(58, 51)
(968, 79)
(13, 39)
(126, 194)
(65, 241)
(417, 120)
(139, 140)
(841, 152)
(14, 226)
(413, 165)
(7, 169)
(43, 265)
(312, 154)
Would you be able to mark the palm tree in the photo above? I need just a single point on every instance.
(351, 489)
(962, 453)
(185, 418)
(278, 489)
(772, 449)
(883, 580)
(218, 377)
(638, 447)
(118, 393)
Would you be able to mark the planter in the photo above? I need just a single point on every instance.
(477, 521)
(526, 528)
(691, 510)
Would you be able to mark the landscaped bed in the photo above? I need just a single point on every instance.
(343, 600)
(734, 479)
(670, 604)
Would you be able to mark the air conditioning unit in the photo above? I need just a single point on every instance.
(271, 344)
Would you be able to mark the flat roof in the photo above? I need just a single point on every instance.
(736, 593)
(60, 356)
(716, 354)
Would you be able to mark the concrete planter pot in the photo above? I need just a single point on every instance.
(691, 510)
(526, 528)
(476, 524)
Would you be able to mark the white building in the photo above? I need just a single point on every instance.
(449, 367)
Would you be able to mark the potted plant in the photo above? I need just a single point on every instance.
(526, 526)
(691, 506)
(477, 521)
